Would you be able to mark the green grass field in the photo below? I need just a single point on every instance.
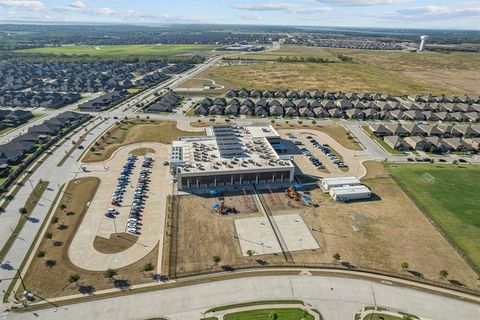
(452, 200)
(166, 50)
(264, 314)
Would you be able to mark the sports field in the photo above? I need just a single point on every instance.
(166, 50)
(372, 71)
(450, 195)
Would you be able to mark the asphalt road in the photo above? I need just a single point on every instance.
(336, 298)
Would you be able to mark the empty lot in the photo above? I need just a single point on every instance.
(377, 71)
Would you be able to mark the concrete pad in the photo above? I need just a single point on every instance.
(256, 234)
(295, 233)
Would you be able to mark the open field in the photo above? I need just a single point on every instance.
(166, 50)
(213, 234)
(386, 231)
(134, 131)
(289, 51)
(264, 314)
(451, 200)
(377, 71)
(51, 260)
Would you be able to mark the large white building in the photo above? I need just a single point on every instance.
(229, 156)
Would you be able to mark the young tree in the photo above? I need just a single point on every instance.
(273, 316)
(73, 278)
(336, 257)
(443, 274)
(404, 265)
(148, 267)
(216, 259)
(110, 274)
(23, 210)
(250, 253)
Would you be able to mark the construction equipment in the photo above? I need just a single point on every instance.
(292, 193)
(225, 209)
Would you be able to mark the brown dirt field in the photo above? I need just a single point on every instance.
(335, 131)
(381, 234)
(134, 131)
(212, 234)
(377, 71)
(116, 243)
(53, 281)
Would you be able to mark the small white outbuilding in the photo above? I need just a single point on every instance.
(350, 193)
(329, 183)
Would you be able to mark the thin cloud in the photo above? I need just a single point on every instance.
(23, 4)
(361, 2)
(250, 16)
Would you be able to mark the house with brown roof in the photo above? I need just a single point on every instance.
(417, 143)
(396, 143)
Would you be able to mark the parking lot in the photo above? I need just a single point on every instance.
(321, 157)
(131, 198)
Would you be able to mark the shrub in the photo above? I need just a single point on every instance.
(148, 267)
(54, 220)
(41, 254)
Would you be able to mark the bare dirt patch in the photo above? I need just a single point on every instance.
(117, 242)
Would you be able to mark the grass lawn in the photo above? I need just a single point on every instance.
(264, 314)
(256, 303)
(53, 263)
(452, 200)
(381, 316)
(116, 243)
(166, 50)
(134, 131)
(373, 71)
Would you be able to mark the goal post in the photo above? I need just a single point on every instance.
(427, 177)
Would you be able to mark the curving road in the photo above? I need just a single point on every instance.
(336, 298)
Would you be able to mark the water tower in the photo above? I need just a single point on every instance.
(423, 43)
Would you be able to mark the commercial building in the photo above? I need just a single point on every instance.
(229, 156)
(350, 193)
(329, 183)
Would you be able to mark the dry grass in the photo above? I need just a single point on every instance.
(213, 234)
(134, 131)
(381, 234)
(376, 71)
(53, 281)
(116, 243)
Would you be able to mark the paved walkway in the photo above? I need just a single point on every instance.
(96, 224)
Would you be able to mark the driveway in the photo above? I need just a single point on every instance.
(82, 252)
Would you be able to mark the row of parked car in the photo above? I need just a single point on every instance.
(134, 220)
(123, 180)
(325, 148)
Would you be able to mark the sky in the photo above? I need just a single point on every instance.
(440, 14)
